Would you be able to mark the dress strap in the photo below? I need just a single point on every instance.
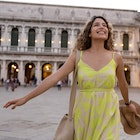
(81, 53)
(113, 55)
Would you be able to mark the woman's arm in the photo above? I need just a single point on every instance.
(47, 83)
(51, 80)
(121, 78)
(123, 83)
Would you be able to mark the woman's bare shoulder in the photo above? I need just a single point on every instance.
(118, 57)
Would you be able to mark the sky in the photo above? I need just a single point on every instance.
(111, 4)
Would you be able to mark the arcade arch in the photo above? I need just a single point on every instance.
(46, 70)
(12, 70)
(29, 72)
(127, 74)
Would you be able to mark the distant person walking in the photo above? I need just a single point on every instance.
(6, 83)
(12, 83)
(59, 85)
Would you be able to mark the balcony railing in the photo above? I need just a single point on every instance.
(127, 53)
(49, 50)
(29, 49)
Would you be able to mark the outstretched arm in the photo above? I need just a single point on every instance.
(47, 83)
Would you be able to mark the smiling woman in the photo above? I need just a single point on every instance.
(96, 109)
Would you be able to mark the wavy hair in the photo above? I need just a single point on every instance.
(83, 41)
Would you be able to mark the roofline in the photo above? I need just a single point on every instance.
(70, 6)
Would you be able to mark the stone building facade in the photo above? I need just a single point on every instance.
(36, 39)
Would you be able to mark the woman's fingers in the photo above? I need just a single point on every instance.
(10, 103)
(13, 107)
(132, 108)
(15, 103)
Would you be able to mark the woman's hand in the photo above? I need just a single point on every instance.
(15, 103)
(131, 108)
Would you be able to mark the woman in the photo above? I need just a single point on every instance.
(96, 111)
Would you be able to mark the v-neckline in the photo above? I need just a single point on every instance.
(95, 69)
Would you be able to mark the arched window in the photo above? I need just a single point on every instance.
(12, 70)
(29, 72)
(64, 39)
(31, 37)
(125, 41)
(127, 74)
(48, 38)
(14, 37)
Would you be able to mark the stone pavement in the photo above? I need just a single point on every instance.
(38, 119)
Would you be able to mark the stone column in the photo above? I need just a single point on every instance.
(38, 72)
(3, 35)
(131, 41)
(41, 37)
(26, 29)
(37, 37)
(21, 73)
(19, 36)
(70, 35)
(122, 35)
(54, 37)
(116, 41)
(4, 70)
(120, 38)
(23, 37)
(57, 39)
(8, 39)
(54, 67)
(72, 38)
(134, 75)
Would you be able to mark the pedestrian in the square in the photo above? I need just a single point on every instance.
(59, 85)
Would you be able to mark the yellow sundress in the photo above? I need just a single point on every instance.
(96, 109)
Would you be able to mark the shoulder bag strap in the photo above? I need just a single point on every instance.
(74, 85)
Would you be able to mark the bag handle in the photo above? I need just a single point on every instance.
(74, 83)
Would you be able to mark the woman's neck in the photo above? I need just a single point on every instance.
(97, 46)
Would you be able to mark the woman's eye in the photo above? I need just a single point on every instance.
(104, 25)
(96, 24)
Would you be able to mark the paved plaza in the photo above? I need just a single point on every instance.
(38, 119)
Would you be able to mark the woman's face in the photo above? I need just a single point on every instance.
(99, 30)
